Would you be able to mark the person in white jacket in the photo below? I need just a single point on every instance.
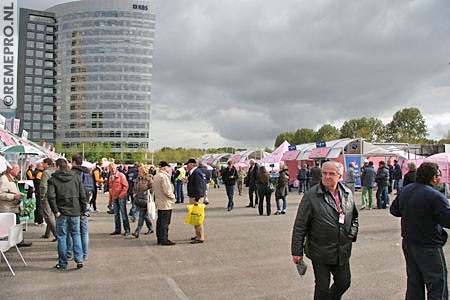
(10, 197)
(164, 201)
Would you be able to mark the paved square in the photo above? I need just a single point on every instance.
(245, 256)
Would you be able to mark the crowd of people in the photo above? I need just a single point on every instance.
(66, 196)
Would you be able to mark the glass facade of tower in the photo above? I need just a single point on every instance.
(104, 71)
(36, 80)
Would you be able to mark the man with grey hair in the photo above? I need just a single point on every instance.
(324, 229)
(10, 196)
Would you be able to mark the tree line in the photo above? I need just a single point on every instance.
(407, 126)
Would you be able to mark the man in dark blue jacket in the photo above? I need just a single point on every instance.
(382, 180)
(424, 212)
(196, 189)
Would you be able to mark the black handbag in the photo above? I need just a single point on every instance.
(141, 199)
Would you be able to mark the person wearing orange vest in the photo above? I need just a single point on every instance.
(37, 176)
(29, 174)
(96, 173)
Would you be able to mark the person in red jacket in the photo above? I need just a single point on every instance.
(118, 189)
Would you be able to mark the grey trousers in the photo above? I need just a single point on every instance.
(49, 218)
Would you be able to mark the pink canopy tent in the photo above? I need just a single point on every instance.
(7, 139)
(244, 165)
(275, 156)
(236, 158)
(443, 160)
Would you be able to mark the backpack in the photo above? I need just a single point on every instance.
(88, 183)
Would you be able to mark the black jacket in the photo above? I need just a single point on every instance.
(303, 174)
(229, 177)
(410, 177)
(282, 184)
(397, 174)
(382, 177)
(316, 175)
(196, 186)
(66, 194)
(317, 230)
(251, 176)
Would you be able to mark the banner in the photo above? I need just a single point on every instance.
(16, 126)
(9, 27)
(24, 134)
(357, 161)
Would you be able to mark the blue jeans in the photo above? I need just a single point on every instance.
(84, 238)
(133, 205)
(382, 196)
(175, 192)
(68, 225)
(432, 274)
(303, 187)
(397, 185)
(143, 216)
(120, 208)
(284, 203)
(180, 195)
(230, 195)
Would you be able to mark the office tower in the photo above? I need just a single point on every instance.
(103, 72)
(36, 75)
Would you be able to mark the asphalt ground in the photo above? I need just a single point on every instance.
(245, 256)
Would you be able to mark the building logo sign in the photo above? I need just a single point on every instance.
(8, 61)
(140, 6)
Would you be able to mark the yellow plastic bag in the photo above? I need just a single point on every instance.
(195, 215)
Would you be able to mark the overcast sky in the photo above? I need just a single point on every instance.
(239, 72)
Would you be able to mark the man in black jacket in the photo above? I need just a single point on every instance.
(251, 183)
(68, 202)
(229, 177)
(397, 176)
(196, 189)
(324, 229)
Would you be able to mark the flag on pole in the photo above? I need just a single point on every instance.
(8, 125)
(16, 126)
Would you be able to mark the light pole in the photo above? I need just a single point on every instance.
(151, 141)
(204, 145)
